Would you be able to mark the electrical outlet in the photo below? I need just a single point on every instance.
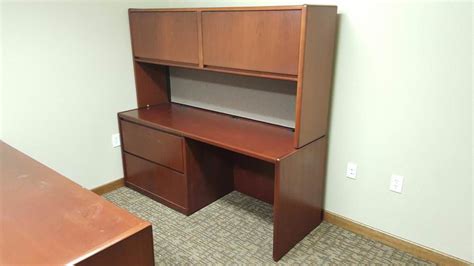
(396, 183)
(351, 171)
(115, 140)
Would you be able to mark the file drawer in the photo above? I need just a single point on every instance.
(154, 145)
(166, 185)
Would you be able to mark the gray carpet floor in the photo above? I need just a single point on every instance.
(238, 229)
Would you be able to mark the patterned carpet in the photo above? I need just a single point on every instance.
(237, 229)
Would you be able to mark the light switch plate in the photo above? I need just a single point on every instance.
(396, 183)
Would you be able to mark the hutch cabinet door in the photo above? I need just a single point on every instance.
(265, 41)
(168, 36)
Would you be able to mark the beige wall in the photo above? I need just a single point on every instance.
(402, 103)
(67, 72)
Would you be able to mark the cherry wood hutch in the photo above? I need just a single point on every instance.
(186, 157)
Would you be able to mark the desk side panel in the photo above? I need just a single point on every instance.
(315, 79)
(151, 83)
(299, 192)
(136, 249)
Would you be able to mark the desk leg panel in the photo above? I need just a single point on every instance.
(209, 174)
(299, 191)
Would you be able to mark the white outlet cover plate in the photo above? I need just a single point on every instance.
(351, 171)
(396, 183)
(116, 140)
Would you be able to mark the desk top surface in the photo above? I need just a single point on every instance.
(256, 139)
(46, 218)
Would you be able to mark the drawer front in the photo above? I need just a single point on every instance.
(266, 41)
(158, 180)
(154, 145)
(169, 36)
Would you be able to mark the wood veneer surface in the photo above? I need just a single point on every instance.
(46, 218)
(151, 83)
(232, 8)
(316, 70)
(299, 193)
(162, 182)
(157, 146)
(264, 41)
(171, 36)
(255, 139)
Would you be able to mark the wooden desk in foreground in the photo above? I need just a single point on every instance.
(47, 219)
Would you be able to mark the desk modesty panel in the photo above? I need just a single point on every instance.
(48, 219)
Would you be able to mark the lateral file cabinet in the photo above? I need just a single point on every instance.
(187, 157)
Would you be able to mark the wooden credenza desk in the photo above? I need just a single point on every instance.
(186, 157)
(47, 219)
